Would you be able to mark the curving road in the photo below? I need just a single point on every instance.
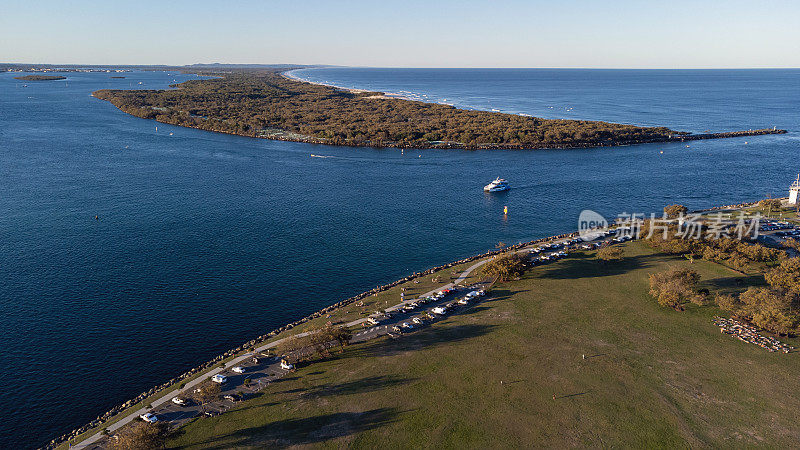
(260, 374)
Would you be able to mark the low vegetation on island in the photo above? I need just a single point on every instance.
(266, 104)
(41, 77)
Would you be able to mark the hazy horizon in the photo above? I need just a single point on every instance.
(308, 65)
(447, 34)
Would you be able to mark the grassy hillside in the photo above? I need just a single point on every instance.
(652, 375)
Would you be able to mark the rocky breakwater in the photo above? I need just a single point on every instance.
(262, 339)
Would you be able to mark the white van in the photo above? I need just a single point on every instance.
(219, 378)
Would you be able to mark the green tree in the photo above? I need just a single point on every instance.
(675, 287)
(505, 266)
(770, 309)
(786, 276)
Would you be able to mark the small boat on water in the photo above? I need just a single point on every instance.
(497, 185)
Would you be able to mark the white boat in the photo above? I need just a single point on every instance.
(497, 185)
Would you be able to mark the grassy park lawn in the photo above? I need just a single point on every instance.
(487, 377)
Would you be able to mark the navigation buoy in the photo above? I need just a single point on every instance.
(661, 152)
(505, 209)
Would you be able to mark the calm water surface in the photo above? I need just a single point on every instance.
(206, 240)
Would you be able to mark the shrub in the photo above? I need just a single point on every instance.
(770, 310)
(610, 253)
(770, 204)
(140, 435)
(791, 243)
(675, 287)
(785, 276)
(674, 211)
(727, 302)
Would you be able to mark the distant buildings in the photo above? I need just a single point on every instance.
(793, 190)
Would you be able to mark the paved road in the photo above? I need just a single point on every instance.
(263, 373)
(268, 369)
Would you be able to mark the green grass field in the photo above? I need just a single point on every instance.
(652, 376)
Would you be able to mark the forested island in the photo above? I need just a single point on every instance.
(268, 105)
(40, 77)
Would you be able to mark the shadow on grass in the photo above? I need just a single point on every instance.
(427, 337)
(368, 384)
(582, 266)
(304, 431)
(578, 394)
(733, 284)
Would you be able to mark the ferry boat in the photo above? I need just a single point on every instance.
(497, 185)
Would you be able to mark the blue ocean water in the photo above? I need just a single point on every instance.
(206, 240)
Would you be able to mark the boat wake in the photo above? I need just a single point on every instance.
(321, 156)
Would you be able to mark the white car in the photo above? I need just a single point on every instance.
(417, 320)
(219, 378)
(438, 310)
(238, 369)
(286, 365)
(407, 325)
(463, 301)
(179, 401)
(149, 417)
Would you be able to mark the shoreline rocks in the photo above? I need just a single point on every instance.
(108, 415)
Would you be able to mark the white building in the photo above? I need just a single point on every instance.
(793, 190)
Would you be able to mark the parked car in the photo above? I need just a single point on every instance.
(238, 369)
(149, 417)
(439, 310)
(219, 378)
(407, 325)
(417, 320)
(179, 401)
(231, 397)
(286, 365)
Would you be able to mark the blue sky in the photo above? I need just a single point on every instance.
(567, 33)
